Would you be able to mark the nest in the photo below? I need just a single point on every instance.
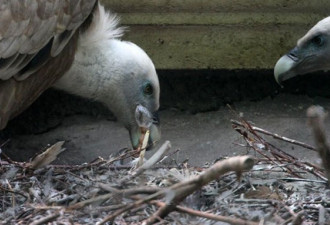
(270, 187)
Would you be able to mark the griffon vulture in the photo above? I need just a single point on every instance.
(311, 54)
(73, 45)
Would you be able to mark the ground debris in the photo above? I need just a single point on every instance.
(279, 189)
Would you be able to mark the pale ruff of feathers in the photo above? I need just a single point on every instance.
(104, 26)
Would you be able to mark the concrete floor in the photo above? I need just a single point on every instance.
(201, 137)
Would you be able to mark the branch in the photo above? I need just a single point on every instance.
(159, 154)
(207, 215)
(180, 191)
(47, 156)
(275, 136)
(46, 219)
(316, 116)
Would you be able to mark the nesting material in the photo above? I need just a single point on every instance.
(278, 189)
(47, 156)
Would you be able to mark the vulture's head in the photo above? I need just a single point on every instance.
(132, 81)
(117, 73)
(311, 54)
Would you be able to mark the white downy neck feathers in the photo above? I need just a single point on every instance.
(103, 62)
(103, 27)
(107, 69)
(117, 73)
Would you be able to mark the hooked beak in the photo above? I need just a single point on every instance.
(284, 68)
(154, 136)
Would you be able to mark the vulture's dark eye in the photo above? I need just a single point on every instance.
(148, 89)
(318, 40)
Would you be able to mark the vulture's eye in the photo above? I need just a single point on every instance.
(318, 40)
(148, 89)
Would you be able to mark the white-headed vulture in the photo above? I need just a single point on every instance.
(75, 46)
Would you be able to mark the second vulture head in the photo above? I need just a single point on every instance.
(311, 54)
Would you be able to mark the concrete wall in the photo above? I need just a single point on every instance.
(217, 34)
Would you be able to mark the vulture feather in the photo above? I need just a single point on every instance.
(74, 46)
(312, 53)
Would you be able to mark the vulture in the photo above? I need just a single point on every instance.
(74, 46)
(311, 54)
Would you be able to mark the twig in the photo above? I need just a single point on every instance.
(4, 143)
(207, 215)
(131, 206)
(303, 180)
(48, 156)
(276, 136)
(46, 219)
(9, 160)
(116, 193)
(159, 154)
(178, 192)
(82, 204)
(14, 192)
(279, 154)
(185, 188)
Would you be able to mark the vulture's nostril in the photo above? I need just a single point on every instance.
(293, 54)
(156, 118)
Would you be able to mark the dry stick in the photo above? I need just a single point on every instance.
(48, 156)
(296, 218)
(249, 142)
(207, 215)
(46, 219)
(185, 188)
(131, 206)
(316, 117)
(4, 143)
(14, 192)
(276, 152)
(247, 126)
(245, 135)
(142, 145)
(116, 192)
(276, 136)
(316, 170)
(103, 162)
(100, 165)
(280, 156)
(181, 190)
(9, 160)
(131, 191)
(159, 154)
(82, 204)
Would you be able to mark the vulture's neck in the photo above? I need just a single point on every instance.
(96, 66)
(91, 73)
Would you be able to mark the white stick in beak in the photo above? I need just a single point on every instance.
(144, 120)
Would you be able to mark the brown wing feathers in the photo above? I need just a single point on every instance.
(38, 39)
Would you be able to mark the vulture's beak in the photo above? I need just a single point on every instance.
(136, 132)
(285, 67)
